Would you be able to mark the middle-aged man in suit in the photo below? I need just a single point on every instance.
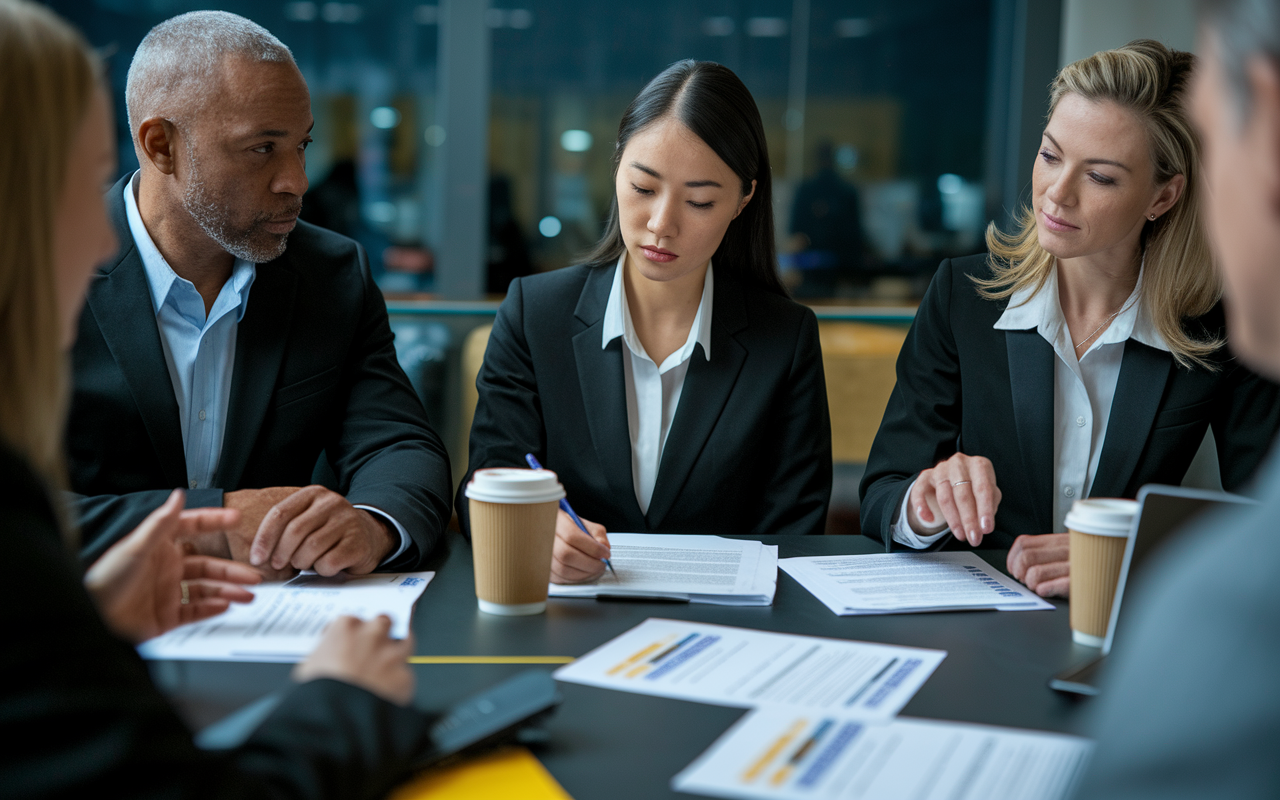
(1192, 707)
(227, 345)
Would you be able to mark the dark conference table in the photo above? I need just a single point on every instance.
(617, 745)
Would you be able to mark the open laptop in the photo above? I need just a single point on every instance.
(1161, 510)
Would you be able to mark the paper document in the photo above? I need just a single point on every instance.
(700, 569)
(748, 668)
(899, 583)
(285, 620)
(781, 753)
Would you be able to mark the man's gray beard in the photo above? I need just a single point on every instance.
(212, 218)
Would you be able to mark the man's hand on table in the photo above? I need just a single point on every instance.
(576, 557)
(283, 529)
(149, 582)
(1042, 563)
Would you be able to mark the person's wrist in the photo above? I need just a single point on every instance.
(390, 536)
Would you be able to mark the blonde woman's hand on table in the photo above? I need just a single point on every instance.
(959, 493)
(362, 653)
(1042, 563)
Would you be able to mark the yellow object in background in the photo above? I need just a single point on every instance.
(511, 773)
(859, 361)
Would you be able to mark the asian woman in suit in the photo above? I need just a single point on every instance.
(1085, 356)
(669, 381)
(78, 712)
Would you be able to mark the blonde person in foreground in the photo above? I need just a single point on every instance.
(78, 712)
(1086, 355)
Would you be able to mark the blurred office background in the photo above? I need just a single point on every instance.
(466, 142)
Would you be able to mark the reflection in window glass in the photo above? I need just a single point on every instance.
(371, 69)
(875, 113)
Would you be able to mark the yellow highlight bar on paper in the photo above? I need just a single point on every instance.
(777, 747)
(636, 657)
(490, 659)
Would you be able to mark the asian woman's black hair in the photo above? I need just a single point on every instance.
(713, 103)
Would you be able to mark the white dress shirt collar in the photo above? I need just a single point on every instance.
(1040, 309)
(617, 321)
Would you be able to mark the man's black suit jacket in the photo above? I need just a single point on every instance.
(315, 371)
(749, 450)
(79, 715)
(964, 386)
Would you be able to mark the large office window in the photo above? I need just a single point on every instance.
(875, 110)
(875, 114)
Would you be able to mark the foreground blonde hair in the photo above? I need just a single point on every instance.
(47, 79)
(1179, 279)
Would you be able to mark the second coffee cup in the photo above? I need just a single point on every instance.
(513, 531)
(1099, 529)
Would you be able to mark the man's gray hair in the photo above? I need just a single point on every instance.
(1244, 29)
(176, 67)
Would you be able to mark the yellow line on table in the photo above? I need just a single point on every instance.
(490, 659)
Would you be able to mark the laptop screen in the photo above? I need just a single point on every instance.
(1161, 511)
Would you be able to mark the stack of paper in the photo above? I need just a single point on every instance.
(699, 569)
(901, 583)
(748, 668)
(285, 620)
(781, 753)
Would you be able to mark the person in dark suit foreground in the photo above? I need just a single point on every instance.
(670, 382)
(226, 346)
(1086, 355)
(79, 715)
(1189, 707)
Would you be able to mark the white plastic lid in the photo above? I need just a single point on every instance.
(509, 485)
(1102, 516)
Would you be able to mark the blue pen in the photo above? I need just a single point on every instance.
(568, 509)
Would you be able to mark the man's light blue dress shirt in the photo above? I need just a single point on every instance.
(199, 351)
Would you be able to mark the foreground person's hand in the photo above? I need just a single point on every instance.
(148, 582)
(361, 652)
(1042, 563)
(959, 493)
(576, 557)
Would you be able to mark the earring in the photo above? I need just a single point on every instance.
(1153, 217)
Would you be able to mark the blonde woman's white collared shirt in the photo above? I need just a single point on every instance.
(1083, 390)
(653, 390)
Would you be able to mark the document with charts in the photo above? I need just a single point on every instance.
(285, 620)
(905, 583)
(748, 668)
(779, 753)
(700, 569)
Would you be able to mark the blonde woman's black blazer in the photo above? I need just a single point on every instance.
(749, 450)
(964, 386)
(79, 715)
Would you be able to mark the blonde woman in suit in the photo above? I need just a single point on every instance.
(1085, 356)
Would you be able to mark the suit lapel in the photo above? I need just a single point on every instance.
(1031, 370)
(120, 300)
(1144, 371)
(604, 394)
(707, 386)
(261, 338)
